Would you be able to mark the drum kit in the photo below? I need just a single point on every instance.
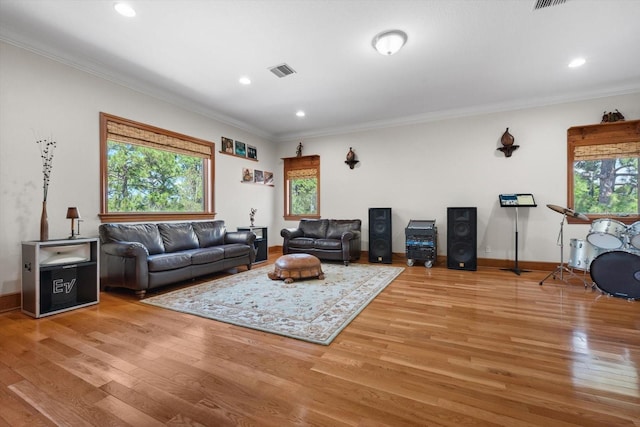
(610, 254)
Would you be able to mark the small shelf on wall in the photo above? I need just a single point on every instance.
(257, 183)
(238, 156)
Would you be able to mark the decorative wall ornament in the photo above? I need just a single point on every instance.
(252, 215)
(612, 117)
(351, 158)
(507, 141)
(299, 150)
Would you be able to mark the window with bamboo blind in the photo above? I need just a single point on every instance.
(148, 173)
(301, 187)
(603, 170)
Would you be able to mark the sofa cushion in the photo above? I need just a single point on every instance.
(147, 234)
(210, 233)
(178, 236)
(235, 250)
(206, 255)
(338, 226)
(328, 244)
(315, 228)
(302, 243)
(169, 261)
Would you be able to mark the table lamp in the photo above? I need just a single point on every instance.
(73, 214)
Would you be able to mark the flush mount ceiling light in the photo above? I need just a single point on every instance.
(389, 42)
(300, 113)
(245, 80)
(578, 62)
(125, 10)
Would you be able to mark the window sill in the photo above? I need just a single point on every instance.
(628, 220)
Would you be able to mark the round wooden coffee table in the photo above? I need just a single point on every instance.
(296, 266)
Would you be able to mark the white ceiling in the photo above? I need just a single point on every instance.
(462, 56)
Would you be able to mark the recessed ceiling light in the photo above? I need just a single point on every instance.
(578, 62)
(125, 10)
(245, 80)
(300, 113)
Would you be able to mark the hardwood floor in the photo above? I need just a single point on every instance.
(437, 347)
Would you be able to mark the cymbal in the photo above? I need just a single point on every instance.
(568, 212)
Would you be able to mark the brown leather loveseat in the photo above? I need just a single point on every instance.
(328, 239)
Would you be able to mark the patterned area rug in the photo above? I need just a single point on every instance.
(310, 310)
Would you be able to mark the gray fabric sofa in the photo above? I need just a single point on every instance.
(328, 239)
(147, 256)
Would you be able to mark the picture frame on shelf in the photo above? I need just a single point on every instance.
(252, 152)
(258, 176)
(227, 145)
(247, 175)
(241, 149)
(268, 178)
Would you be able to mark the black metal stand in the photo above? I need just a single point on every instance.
(515, 268)
(561, 269)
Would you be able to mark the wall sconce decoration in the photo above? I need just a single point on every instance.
(507, 141)
(351, 158)
(73, 214)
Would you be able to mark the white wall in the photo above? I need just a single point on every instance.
(417, 170)
(422, 169)
(51, 99)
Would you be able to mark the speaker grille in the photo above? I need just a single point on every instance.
(380, 247)
(462, 238)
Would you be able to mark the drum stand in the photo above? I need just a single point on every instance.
(561, 269)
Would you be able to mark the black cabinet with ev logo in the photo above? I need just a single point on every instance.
(59, 275)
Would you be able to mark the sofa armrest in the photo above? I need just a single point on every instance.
(124, 264)
(245, 237)
(125, 249)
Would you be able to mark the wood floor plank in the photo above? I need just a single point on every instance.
(437, 347)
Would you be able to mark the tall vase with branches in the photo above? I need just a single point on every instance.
(47, 148)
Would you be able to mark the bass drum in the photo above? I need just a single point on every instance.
(617, 273)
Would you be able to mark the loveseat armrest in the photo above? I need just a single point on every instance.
(350, 235)
(290, 233)
(244, 237)
(351, 245)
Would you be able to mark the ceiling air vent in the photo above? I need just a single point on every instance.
(541, 4)
(282, 70)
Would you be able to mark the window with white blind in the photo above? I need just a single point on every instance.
(148, 173)
(603, 170)
(301, 187)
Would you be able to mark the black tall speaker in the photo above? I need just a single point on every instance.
(462, 238)
(380, 235)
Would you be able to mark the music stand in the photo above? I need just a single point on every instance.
(515, 201)
(560, 269)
